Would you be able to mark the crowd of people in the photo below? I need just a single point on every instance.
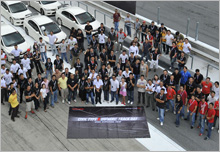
(186, 96)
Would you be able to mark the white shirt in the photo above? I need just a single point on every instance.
(63, 48)
(114, 85)
(133, 49)
(168, 39)
(125, 74)
(14, 67)
(72, 42)
(26, 63)
(211, 100)
(216, 91)
(2, 57)
(52, 38)
(3, 71)
(23, 72)
(141, 83)
(42, 46)
(94, 77)
(148, 86)
(123, 58)
(123, 89)
(128, 19)
(3, 83)
(8, 78)
(159, 88)
(101, 38)
(185, 47)
(110, 71)
(97, 84)
(16, 53)
(44, 92)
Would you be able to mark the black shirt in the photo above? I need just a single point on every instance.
(154, 54)
(106, 84)
(86, 75)
(146, 47)
(49, 65)
(72, 83)
(28, 93)
(152, 29)
(144, 27)
(82, 84)
(79, 67)
(81, 40)
(109, 46)
(67, 74)
(39, 81)
(165, 79)
(163, 97)
(199, 95)
(88, 28)
(103, 56)
(92, 54)
(94, 43)
(58, 64)
(136, 68)
(129, 85)
(190, 87)
(30, 84)
(172, 83)
(112, 58)
(103, 73)
(161, 29)
(101, 29)
(173, 51)
(157, 37)
(176, 77)
(36, 91)
(132, 60)
(116, 70)
(182, 59)
(53, 84)
(92, 64)
(75, 51)
(89, 85)
(22, 83)
(198, 79)
(179, 104)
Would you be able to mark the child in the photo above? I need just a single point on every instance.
(44, 96)
(123, 92)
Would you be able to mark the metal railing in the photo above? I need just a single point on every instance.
(95, 11)
(210, 65)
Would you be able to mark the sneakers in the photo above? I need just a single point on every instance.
(74, 100)
(158, 118)
(32, 112)
(198, 127)
(167, 110)
(86, 103)
(17, 116)
(62, 101)
(213, 128)
(206, 138)
(69, 102)
(200, 134)
(13, 120)
(25, 117)
(191, 127)
(174, 112)
(128, 101)
(161, 123)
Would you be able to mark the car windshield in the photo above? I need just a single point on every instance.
(85, 17)
(51, 27)
(12, 39)
(47, 2)
(17, 7)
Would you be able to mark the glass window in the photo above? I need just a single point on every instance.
(85, 17)
(47, 2)
(51, 27)
(12, 39)
(17, 7)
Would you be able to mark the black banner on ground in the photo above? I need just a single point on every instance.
(107, 122)
(129, 6)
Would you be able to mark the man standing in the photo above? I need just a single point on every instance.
(185, 75)
(198, 77)
(88, 29)
(123, 58)
(169, 39)
(181, 61)
(53, 85)
(14, 104)
(22, 85)
(152, 28)
(116, 19)
(137, 26)
(191, 110)
(160, 99)
(109, 46)
(150, 87)
(98, 89)
(128, 24)
(130, 88)
(14, 69)
(120, 39)
(146, 50)
(101, 37)
(206, 87)
(171, 93)
(173, 54)
(112, 34)
(134, 49)
(43, 49)
(62, 85)
(52, 41)
(72, 84)
(136, 70)
(187, 47)
(71, 43)
(78, 66)
(210, 117)
(63, 50)
(114, 89)
(141, 84)
(75, 53)
(29, 94)
(26, 63)
(16, 53)
(3, 90)
(58, 63)
(143, 29)
(89, 90)
(203, 107)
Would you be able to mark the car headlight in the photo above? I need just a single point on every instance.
(16, 18)
(47, 9)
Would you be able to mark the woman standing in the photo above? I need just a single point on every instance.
(123, 91)
(178, 107)
(81, 88)
(37, 96)
(14, 104)
(43, 92)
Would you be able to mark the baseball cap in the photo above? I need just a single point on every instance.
(28, 50)
(89, 77)
(144, 21)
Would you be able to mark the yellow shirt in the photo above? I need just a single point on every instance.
(13, 100)
(63, 82)
(180, 46)
(163, 37)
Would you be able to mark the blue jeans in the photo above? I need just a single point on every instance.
(172, 104)
(53, 49)
(177, 117)
(106, 95)
(146, 55)
(116, 26)
(180, 68)
(96, 51)
(136, 77)
(161, 114)
(128, 27)
(43, 55)
(63, 55)
(182, 112)
(89, 38)
(201, 123)
(193, 117)
(114, 95)
(71, 94)
(209, 129)
(48, 72)
(54, 97)
(130, 95)
(91, 95)
(172, 60)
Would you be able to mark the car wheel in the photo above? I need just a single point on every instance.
(42, 11)
(12, 21)
(59, 21)
(26, 31)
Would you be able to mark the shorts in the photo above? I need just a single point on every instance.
(29, 106)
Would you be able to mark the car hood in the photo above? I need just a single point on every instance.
(21, 14)
(61, 35)
(51, 6)
(23, 46)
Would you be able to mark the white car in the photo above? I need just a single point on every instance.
(76, 17)
(34, 24)
(45, 7)
(10, 37)
(14, 11)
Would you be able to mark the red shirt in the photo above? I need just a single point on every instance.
(203, 107)
(151, 38)
(116, 17)
(206, 87)
(211, 113)
(216, 106)
(183, 95)
(170, 94)
(192, 105)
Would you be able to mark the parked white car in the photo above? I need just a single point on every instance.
(10, 37)
(34, 25)
(45, 7)
(14, 11)
(76, 17)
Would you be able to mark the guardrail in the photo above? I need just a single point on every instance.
(210, 65)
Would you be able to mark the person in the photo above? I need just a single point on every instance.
(173, 54)
(14, 104)
(81, 88)
(181, 61)
(206, 87)
(29, 94)
(170, 96)
(137, 26)
(43, 49)
(165, 77)
(157, 39)
(52, 41)
(106, 88)
(198, 97)
(116, 19)
(120, 39)
(8, 77)
(186, 47)
(155, 56)
(92, 65)
(103, 71)
(185, 75)
(72, 84)
(103, 57)
(112, 34)
(123, 58)
(146, 50)
(191, 110)
(109, 46)
(78, 66)
(216, 89)
(210, 117)
(48, 67)
(211, 97)
(136, 70)
(80, 39)
(16, 52)
(198, 77)
(152, 28)
(26, 63)
(123, 92)
(114, 89)
(3, 90)
(162, 27)
(3, 57)
(150, 87)
(141, 84)
(163, 40)
(71, 43)
(171, 82)
(63, 50)
(143, 30)
(14, 69)
(101, 28)
(126, 72)
(62, 85)
(203, 107)
(216, 107)
(101, 38)
(46, 82)
(75, 53)
(160, 103)
(30, 83)
(23, 71)
(73, 32)
(58, 63)
(109, 70)
(112, 59)
(133, 49)
(190, 87)
(178, 108)
(178, 36)
(53, 85)
(98, 83)
(43, 94)
(36, 97)
(89, 91)
(88, 29)
(22, 85)
(144, 69)
(3, 69)
(179, 45)
(94, 45)
(128, 24)
(130, 88)
(37, 58)
(169, 39)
